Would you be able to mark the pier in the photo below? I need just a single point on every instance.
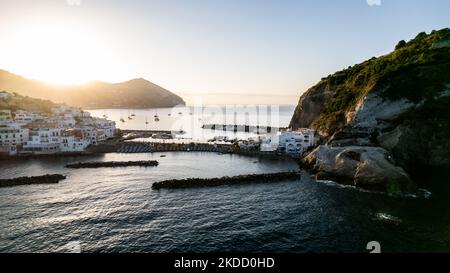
(234, 180)
(241, 128)
(145, 147)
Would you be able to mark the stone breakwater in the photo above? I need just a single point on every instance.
(142, 147)
(234, 180)
(145, 147)
(44, 179)
(240, 128)
(113, 164)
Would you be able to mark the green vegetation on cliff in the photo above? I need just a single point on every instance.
(416, 75)
(417, 70)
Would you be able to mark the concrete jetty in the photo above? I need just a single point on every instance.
(143, 147)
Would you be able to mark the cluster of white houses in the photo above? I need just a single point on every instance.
(65, 130)
(285, 141)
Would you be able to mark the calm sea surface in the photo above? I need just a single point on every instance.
(115, 210)
(190, 119)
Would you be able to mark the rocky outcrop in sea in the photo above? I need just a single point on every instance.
(370, 168)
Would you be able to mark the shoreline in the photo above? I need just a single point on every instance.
(123, 143)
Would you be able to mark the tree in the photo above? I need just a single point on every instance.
(400, 44)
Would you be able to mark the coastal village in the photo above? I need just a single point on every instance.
(65, 130)
(70, 130)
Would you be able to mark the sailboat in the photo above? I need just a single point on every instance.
(156, 117)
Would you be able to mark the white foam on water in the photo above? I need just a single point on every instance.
(381, 216)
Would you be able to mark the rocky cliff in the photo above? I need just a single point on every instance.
(398, 102)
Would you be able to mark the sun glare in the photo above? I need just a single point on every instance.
(59, 54)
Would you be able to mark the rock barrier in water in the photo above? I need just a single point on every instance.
(44, 179)
(140, 147)
(113, 164)
(235, 180)
(241, 128)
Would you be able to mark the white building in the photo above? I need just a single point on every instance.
(24, 117)
(73, 140)
(61, 109)
(11, 137)
(71, 144)
(77, 112)
(66, 121)
(57, 140)
(296, 142)
(44, 141)
(5, 117)
(90, 133)
(107, 127)
(4, 95)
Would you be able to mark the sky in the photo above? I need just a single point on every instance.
(246, 51)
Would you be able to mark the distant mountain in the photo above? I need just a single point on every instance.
(137, 93)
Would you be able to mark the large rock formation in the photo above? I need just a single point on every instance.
(398, 102)
(366, 167)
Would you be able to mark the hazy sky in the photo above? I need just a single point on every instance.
(262, 51)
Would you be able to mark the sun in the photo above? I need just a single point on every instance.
(59, 53)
